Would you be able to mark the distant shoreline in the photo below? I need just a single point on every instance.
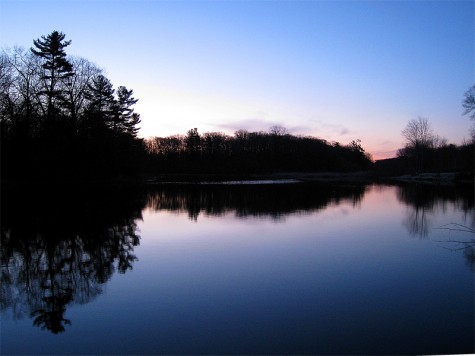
(359, 177)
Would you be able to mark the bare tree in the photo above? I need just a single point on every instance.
(20, 88)
(418, 133)
(469, 106)
(6, 83)
(469, 103)
(277, 130)
(419, 138)
(5, 72)
(77, 85)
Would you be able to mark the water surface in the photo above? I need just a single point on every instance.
(258, 268)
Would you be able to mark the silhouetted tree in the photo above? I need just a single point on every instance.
(19, 109)
(246, 152)
(469, 103)
(278, 131)
(214, 143)
(419, 138)
(418, 132)
(56, 67)
(125, 120)
(426, 151)
(20, 89)
(469, 106)
(59, 116)
(101, 102)
(193, 141)
(77, 87)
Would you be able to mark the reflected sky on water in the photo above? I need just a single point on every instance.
(296, 268)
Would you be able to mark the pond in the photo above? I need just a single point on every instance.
(238, 269)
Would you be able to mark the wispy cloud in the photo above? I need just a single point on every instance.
(329, 130)
(319, 128)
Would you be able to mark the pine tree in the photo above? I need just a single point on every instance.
(56, 68)
(101, 94)
(125, 118)
(102, 104)
(131, 125)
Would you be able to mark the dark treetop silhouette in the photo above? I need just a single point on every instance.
(59, 116)
(276, 150)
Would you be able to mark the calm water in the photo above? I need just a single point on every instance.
(289, 268)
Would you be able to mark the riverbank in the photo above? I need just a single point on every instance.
(330, 177)
(434, 178)
(359, 177)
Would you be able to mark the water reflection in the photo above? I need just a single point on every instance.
(273, 201)
(424, 201)
(465, 241)
(469, 254)
(61, 247)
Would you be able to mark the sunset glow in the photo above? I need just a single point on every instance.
(336, 70)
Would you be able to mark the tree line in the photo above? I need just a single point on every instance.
(246, 152)
(60, 115)
(425, 151)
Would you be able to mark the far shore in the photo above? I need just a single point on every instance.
(360, 177)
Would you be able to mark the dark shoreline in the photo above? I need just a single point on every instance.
(361, 177)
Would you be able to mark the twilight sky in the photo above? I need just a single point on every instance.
(338, 70)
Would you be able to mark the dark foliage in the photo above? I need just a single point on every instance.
(245, 152)
(425, 152)
(59, 117)
(251, 200)
(60, 245)
(445, 158)
(469, 102)
(424, 199)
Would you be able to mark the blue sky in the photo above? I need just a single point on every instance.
(339, 70)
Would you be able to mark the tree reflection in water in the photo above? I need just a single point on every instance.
(258, 200)
(61, 247)
(424, 200)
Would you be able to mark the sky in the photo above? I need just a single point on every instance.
(337, 70)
